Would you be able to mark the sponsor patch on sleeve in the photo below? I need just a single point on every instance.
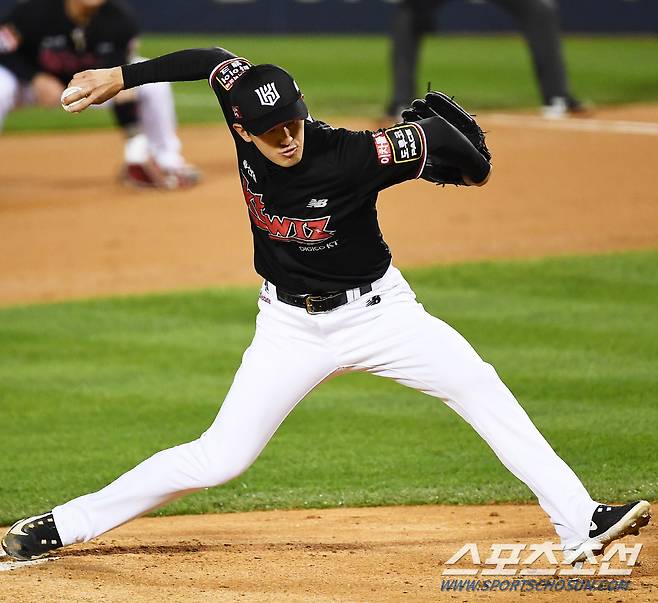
(383, 148)
(229, 72)
(405, 142)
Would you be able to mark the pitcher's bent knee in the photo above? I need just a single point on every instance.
(224, 472)
(216, 465)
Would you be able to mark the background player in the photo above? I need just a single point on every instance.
(539, 22)
(44, 42)
(331, 301)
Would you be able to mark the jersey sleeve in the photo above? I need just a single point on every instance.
(219, 66)
(180, 66)
(377, 160)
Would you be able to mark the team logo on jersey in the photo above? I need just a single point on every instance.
(405, 142)
(267, 94)
(301, 230)
(62, 61)
(229, 72)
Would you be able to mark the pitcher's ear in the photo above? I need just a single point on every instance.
(242, 132)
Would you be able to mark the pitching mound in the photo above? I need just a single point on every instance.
(380, 554)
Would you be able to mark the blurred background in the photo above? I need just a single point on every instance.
(374, 16)
(340, 52)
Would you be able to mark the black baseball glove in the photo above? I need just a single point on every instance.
(438, 169)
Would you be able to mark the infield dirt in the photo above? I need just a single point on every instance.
(68, 230)
(377, 554)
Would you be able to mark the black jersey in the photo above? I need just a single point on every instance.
(38, 36)
(315, 224)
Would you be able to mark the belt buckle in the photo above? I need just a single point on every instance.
(309, 304)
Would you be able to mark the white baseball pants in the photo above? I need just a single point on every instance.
(291, 353)
(156, 113)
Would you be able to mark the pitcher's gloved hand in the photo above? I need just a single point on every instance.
(438, 169)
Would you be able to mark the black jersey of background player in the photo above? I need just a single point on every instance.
(37, 35)
(315, 224)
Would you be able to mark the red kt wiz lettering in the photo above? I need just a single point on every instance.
(283, 228)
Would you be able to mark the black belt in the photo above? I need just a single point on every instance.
(317, 304)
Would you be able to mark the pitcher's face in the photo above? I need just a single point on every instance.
(283, 144)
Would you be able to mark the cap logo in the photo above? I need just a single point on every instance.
(267, 94)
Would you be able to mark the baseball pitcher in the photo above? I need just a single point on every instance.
(331, 301)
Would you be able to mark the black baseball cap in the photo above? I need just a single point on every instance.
(265, 96)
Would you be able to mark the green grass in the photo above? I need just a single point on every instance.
(88, 389)
(350, 75)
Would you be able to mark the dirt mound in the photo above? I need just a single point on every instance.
(379, 554)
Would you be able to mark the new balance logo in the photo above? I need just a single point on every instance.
(592, 526)
(373, 301)
(267, 94)
(317, 203)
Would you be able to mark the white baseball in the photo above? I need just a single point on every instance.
(68, 92)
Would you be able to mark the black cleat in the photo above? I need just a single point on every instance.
(32, 538)
(611, 523)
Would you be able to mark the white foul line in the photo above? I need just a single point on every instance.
(573, 124)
